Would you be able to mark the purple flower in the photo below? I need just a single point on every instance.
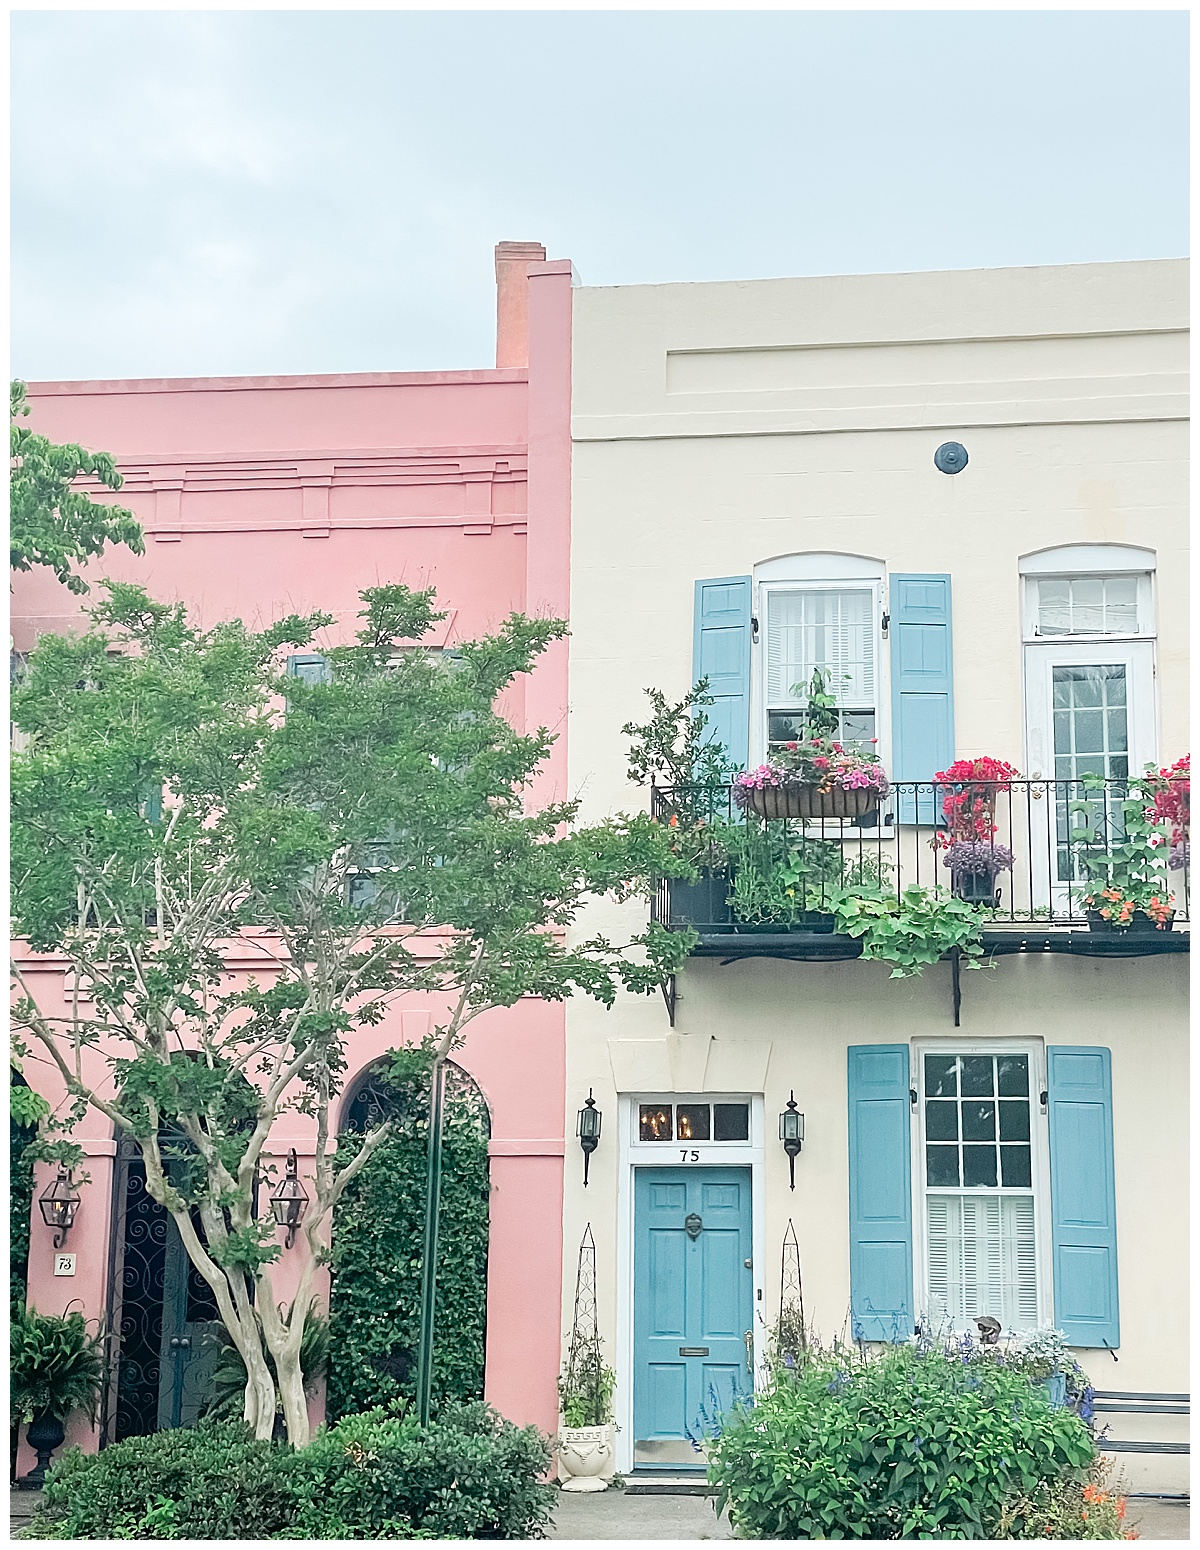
(978, 856)
(1181, 854)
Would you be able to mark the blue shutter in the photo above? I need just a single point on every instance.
(922, 688)
(721, 653)
(881, 1255)
(309, 667)
(1083, 1202)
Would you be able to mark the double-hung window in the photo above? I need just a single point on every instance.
(833, 625)
(978, 1144)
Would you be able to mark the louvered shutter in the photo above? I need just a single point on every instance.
(830, 628)
(922, 689)
(721, 653)
(1083, 1204)
(982, 1258)
(881, 1276)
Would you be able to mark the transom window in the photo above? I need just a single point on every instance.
(694, 1121)
(832, 628)
(1087, 605)
(977, 1165)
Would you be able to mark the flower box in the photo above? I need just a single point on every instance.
(1140, 925)
(794, 801)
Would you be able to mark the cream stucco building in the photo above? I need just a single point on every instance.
(754, 493)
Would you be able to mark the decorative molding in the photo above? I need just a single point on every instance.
(364, 379)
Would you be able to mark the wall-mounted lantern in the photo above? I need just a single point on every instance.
(588, 1131)
(791, 1133)
(59, 1205)
(290, 1201)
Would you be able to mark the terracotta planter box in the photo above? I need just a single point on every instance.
(811, 802)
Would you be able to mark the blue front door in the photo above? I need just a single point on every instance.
(692, 1306)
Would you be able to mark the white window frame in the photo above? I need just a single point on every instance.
(819, 573)
(1039, 1129)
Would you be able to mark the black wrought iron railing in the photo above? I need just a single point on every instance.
(1056, 844)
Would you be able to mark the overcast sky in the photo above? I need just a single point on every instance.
(206, 193)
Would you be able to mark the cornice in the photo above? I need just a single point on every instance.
(115, 386)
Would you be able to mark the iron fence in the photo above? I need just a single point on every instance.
(1054, 842)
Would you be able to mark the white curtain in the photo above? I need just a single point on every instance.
(831, 629)
(982, 1259)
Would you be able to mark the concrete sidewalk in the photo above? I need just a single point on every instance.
(614, 1515)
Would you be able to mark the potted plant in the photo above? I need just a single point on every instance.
(689, 774)
(57, 1367)
(1123, 845)
(816, 776)
(778, 880)
(971, 854)
(586, 1441)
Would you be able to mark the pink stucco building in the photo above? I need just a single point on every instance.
(265, 496)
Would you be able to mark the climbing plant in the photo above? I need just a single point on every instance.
(25, 1109)
(378, 1229)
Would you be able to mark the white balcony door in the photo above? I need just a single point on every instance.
(1089, 709)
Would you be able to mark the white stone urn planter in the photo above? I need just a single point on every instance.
(586, 1457)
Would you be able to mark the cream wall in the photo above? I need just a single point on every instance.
(717, 426)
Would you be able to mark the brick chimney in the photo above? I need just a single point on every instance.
(512, 300)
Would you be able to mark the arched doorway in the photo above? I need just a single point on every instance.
(161, 1314)
(377, 1243)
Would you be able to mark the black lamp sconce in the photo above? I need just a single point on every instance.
(59, 1205)
(290, 1201)
(588, 1131)
(791, 1133)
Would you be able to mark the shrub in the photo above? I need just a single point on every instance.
(378, 1245)
(1069, 1509)
(471, 1475)
(213, 1482)
(468, 1475)
(901, 1445)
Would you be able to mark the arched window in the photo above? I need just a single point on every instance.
(376, 1096)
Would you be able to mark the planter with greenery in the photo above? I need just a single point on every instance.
(586, 1437)
(903, 1444)
(817, 776)
(1124, 845)
(918, 928)
(56, 1368)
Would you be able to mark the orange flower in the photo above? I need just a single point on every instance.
(1090, 1493)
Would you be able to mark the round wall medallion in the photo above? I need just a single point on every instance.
(950, 457)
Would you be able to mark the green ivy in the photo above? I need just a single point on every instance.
(25, 1108)
(378, 1233)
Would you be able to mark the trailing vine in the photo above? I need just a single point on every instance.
(378, 1231)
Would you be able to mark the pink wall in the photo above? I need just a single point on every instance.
(267, 496)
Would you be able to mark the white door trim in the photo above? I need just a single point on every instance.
(657, 1154)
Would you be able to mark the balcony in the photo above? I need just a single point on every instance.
(764, 881)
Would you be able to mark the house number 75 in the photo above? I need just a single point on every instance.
(686, 1156)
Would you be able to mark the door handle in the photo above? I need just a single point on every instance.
(748, 1337)
(180, 1343)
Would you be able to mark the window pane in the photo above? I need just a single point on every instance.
(783, 728)
(1089, 731)
(941, 1121)
(857, 729)
(1054, 607)
(979, 1166)
(654, 1122)
(979, 1121)
(941, 1080)
(1015, 1171)
(1118, 735)
(731, 1121)
(977, 1076)
(691, 1122)
(1014, 1120)
(1014, 1075)
(941, 1166)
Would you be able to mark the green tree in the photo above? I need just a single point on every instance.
(49, 522)
(372, 833)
